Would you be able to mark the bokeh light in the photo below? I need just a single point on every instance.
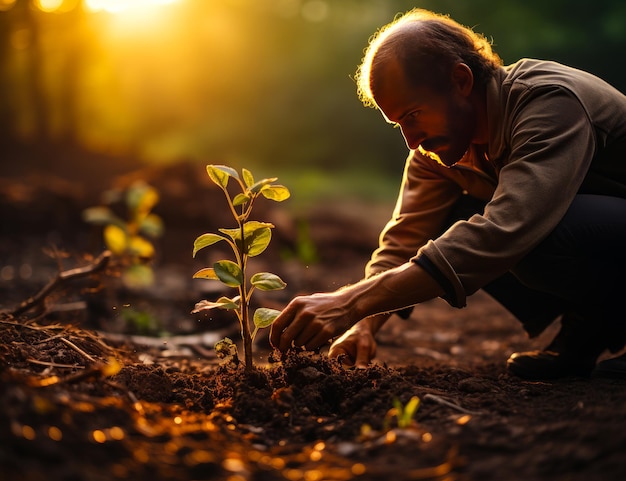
(6, 4)
(119, 6)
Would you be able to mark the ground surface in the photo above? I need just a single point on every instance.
(82, 399)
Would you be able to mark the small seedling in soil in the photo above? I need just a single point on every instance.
(128, 240)
(250, 238)
(403, 414)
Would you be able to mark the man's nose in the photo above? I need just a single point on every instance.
(412, 138)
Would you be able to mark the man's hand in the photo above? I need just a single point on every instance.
(358, 344)
(310, 321)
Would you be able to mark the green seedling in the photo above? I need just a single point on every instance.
(129, 240)
(402, 414)
(250, 238)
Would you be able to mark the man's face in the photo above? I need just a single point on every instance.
(436, 122)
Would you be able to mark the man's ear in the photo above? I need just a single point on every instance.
(462, 79)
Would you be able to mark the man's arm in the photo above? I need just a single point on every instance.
(310, 321)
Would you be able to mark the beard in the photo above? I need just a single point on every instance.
(443, 151)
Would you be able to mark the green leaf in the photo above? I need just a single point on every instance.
(266, 281)
(206, 273)
(206, 240)
(255, 188)
(258, 241)
(277, 193)
(220, 174)
(406, 416)
(151, 225)
(229, 273)
(241, 199)
(141, 197)
(234, 234)
(264, 317)
(222, 303)
(251, 226)
(247, 177)
(138, 276)
(101, 215)
(257, 237)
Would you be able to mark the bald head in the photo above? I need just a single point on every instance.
(425, 46)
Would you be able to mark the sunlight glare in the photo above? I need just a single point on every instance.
(6, 4)
(119, 6)
(49, 5)
(54, 6)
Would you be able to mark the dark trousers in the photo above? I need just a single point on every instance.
(577, 271)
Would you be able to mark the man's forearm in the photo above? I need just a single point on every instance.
(394, 289)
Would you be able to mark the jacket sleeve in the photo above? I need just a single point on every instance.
(422, 207)
(552, 143)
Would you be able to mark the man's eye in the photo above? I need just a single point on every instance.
(414, 114)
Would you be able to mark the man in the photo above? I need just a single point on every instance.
(515, 183)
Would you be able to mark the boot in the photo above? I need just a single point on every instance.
(573, 352)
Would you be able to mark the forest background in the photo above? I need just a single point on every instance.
(265, 84)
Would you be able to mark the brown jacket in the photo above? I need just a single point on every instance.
(554, 131)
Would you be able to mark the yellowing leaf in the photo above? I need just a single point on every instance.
(222, 303)
(115, 239)
(206, 273)
(241, 199)
(264, 317)
(141, 247)
(146, 197)
(260, 184)
(247, 177)
(234, 234)
(220, 174)
(277, 193)
(206, 240)
(258, 241)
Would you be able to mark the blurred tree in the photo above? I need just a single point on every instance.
(255, 83)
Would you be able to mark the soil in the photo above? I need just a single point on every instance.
(86, 394)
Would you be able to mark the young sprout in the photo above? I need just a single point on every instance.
(403, 414)
(248, 239)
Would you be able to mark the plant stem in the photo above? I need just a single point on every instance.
(243, 294)
(245, 332)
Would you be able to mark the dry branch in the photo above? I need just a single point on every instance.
(63, 277)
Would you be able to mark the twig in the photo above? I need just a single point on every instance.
(54, 364)
(32, 327)
(78, 349)
(98, 264)
(444, 402)
(51, 338)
